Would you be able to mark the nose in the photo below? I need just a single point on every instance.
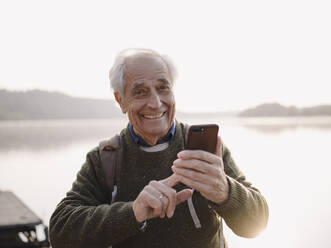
(154, 100)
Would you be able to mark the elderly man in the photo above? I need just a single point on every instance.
(166, 196)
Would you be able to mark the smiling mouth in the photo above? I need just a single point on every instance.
(151, 117)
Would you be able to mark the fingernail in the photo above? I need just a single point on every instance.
(173, 168)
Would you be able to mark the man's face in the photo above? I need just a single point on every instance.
(148, 97)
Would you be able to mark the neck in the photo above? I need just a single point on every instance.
(150, 139)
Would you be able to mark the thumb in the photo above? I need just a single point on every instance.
(219, 147)
(183, 195)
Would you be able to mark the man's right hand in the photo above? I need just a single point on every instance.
(159, 199)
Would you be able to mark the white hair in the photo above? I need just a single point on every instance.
(116, 73)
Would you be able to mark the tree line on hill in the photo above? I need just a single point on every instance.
(278, 110)
(38, 104)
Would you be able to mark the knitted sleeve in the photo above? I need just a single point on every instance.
(246, 211)
(84, 218)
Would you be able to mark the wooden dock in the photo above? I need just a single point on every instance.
(14, 214)
(18, 223)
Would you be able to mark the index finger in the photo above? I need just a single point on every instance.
(170, 181)
(199, 154)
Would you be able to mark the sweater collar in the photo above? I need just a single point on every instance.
(169, 137)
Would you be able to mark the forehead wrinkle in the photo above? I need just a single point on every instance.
(140, 70)
(143, 77)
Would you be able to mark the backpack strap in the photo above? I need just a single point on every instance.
(110, 156)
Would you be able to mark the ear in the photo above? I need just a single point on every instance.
(120, 102)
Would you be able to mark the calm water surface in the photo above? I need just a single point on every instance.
(287, 159)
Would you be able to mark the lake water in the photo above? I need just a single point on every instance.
(289, 160)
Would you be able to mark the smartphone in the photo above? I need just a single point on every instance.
(202, 137)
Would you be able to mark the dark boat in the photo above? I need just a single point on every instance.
(18, 224)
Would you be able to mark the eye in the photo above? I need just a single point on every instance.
(139, 92)
(164, 87)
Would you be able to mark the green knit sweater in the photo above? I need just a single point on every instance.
(84, 217)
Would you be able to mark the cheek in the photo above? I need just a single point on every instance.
(172, 104)
(169, 100)
(134, 108)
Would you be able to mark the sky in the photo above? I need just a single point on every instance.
(230, 55)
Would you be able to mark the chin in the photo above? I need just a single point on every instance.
(156, 129)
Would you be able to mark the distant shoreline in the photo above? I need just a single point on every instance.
(45, 105)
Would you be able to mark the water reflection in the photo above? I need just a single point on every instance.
(45, 135)
(278, 125)
(51, 134)
(276, 129)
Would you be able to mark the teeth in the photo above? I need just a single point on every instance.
(153, 116)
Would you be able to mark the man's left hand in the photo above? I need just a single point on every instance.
(204, 172)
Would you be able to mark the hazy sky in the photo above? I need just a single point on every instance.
(230, 54)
